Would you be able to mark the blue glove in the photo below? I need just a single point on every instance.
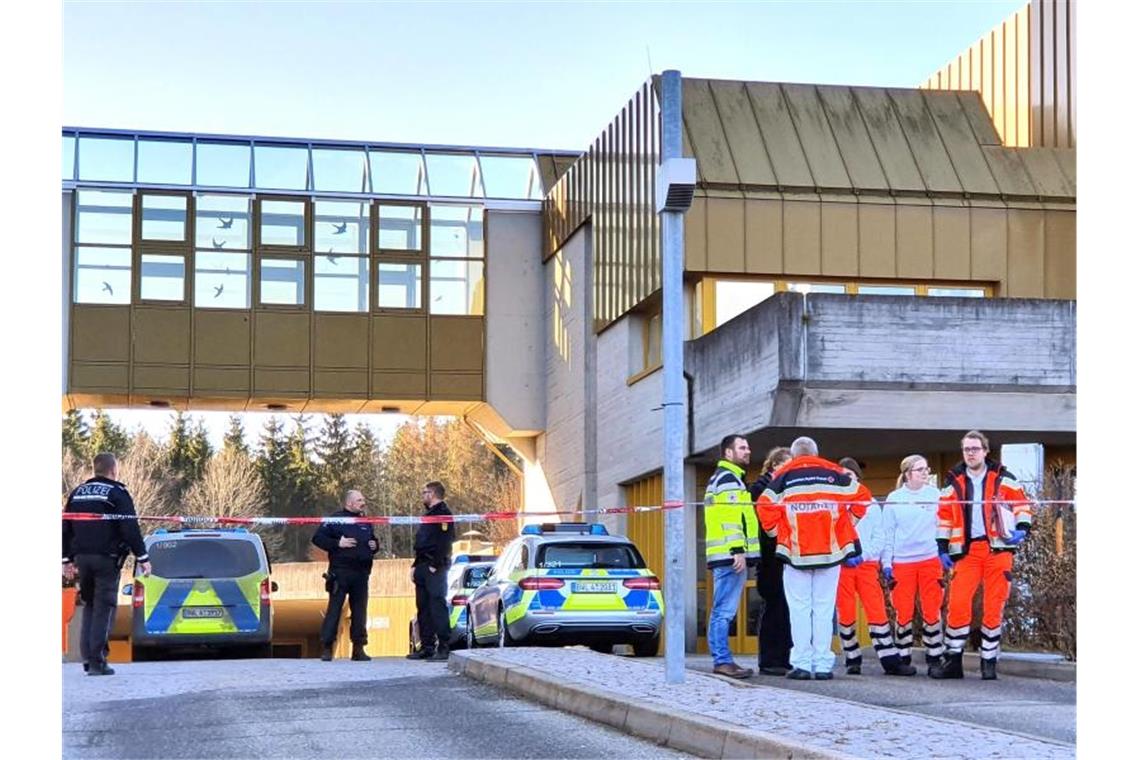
(1016, 537)
(947, 563)
(888, 575)
(853, 562)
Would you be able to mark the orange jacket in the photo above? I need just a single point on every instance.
(811, 507)
(955, 508)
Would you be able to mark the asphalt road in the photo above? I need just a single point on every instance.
(308, 709)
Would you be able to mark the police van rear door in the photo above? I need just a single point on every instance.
(206, 583)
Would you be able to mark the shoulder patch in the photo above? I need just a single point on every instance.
(443, 527)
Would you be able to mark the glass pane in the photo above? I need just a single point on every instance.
(161, 278)
(340, 283)
(399, 286)
(736, 297)
(400, 228)
(341, 170)
(164, 217)
(340, 226)
(102, 275)
(280, 167)
(456, 287)
(397, 172)
(165, 162)
(283, 223)
(283, 282)
(653, 342)
(453, 174)
(221, 280)
(110, 159)
(68, 164)
(817, 287)
(103, 216)
(510, 177)
(957, 292)
(223, 164)
(457, 231)
(222, 221)
(886, 290)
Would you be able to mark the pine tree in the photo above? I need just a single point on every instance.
(365, 468)
(334, 449)
(107, 436)
(304, 486)
(76, 434)
(199, 451)
(272, 464)
(235, 436)
(177, 448)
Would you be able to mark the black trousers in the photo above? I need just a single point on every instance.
(98, 581)
(775, 632)
(354, 585)
(431, 607)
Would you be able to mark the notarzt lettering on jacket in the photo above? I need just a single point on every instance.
(814, 506)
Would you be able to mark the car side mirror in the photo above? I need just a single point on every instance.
(272, 585)
(128, 589)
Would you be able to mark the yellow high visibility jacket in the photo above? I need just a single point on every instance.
(731, 526)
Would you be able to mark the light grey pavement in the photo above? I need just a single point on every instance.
(306, 709)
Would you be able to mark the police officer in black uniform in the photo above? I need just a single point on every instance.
(96, 550)
(429, 574)
(350, 547)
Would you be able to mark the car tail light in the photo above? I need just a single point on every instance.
(645, 582)
(459, 600)
(138, 595)
(265, 591)
(541, 583)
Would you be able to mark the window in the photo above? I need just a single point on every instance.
(454, 174)
(956, 292)
(222, 261)
(399, 286)
(102, 275)
(457, 231)
(456, 286)
(204, 558)
(341, 227)
(162, 278)
(652, 341)
(400, 227)
(222, 164)
(282, 223)
(510, 177)
(221, 280)
(524, 558)
(340, 283)
(736, 297)
(103, 270)
(103, 216)
(473, 577)
(886, 290)
(817, 287)
(397, 172)
(107, 159)
(282, 282)
(163, 217)
(339, 170)
(222, 222)
(165, 162)
(589, 555)
(281, 167)
(68, 162)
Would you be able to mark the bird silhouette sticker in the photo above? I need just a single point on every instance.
(216, 244)
(218, 290)
(339, 229)
(332, 259)
(225, 224)
(107, 287)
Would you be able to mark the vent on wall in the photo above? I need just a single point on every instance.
(676, 182)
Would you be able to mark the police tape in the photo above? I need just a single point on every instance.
(459, 518)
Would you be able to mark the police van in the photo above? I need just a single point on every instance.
(207, 589)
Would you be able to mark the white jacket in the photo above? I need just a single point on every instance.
(910, 525)
(870, 530)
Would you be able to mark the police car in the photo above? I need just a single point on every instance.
(207, 588)
(568, 583)
(467, 572)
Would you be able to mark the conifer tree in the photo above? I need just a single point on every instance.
(334, 449)
(76, 434)
(234, 439)
(106, 435)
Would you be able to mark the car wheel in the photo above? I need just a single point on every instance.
(505, 639)
(647, 648)
(469, 637)
(142, 654)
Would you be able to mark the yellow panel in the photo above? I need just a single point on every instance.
(743, 134)
(328, 382)
(281, 339)
(815, 137)
(851, 136)
(221, 337)
(725, 234)
(705, 132)
(341, 340)
(221, 379)
(801, 236)
(876, 240)
(788, 160)
(951, 243)
(840, 239)
(456, 344)
(763, 236)
(1026, 254)
(399, 385)
(1060, 254)
(914, 230)
(889, 141)
(696, 252)
(456, 386)
(988, 244)
(997, 100)
(399, 343)
(280, 381)
(101, 333)
(91, 377)
(161, 334)
(1023, 67)
(164, 378)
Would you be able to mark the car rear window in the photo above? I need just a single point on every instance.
(204, 558)
(475, 576)
(589, 554)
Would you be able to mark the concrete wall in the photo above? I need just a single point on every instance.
(887, 363)
(515, 319)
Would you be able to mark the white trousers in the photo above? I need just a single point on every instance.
(811, 604)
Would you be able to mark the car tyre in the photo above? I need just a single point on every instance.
(469, 636)
(505, 639)
(647, 648)
(142, 654)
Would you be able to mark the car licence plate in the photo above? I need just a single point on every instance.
(594, 587)
(202, 612)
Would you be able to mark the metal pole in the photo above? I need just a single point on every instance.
(672, 316)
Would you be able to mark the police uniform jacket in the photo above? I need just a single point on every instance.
(111, 538)
(433, 540)
(359, 557)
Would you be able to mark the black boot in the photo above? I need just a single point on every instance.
(441, 654)
(420, 654)
(893, 665)
(905, 659)
(950, 667)
(358, 653)
(100, 669)
(989, 670)
(326, 653)
(854, 667)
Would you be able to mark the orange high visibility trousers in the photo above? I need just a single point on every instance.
(925, 577)
(994, 571)
(862, 582)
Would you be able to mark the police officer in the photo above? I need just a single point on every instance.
(350, 548)
(429, 574)
(96, 550)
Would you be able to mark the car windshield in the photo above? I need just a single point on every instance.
(589, 554)
(203, 558)
(475, 576)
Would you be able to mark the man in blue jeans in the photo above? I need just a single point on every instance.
(732, 539)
